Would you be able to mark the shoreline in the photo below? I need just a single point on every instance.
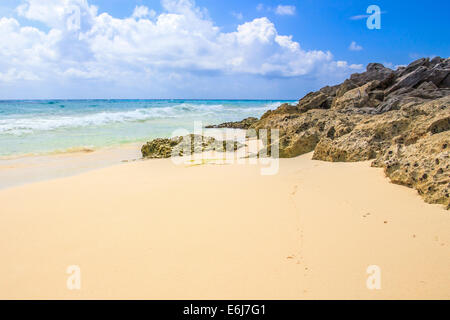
(23, 170)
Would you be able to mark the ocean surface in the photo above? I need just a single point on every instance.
(36, 127)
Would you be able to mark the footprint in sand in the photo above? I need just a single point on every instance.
(295, 191)
(292, 257)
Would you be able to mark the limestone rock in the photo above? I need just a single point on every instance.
(410, 79)
(179, 146)
(414, 65)
(360, 97)
(315, 100)
(321, 99)
(244, 124)
(374, 71)
(424, 166)
(369, 114)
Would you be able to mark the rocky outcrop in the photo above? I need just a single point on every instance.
(360, 97)
(424, 166)
(244, 124)
(370, 115)
(179, 146)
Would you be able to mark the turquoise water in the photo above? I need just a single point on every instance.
(39, 127)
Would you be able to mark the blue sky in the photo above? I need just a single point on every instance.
(205, 49)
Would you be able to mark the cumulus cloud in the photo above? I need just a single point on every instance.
(355, 47)
(143, 12)
(285, 10)
(147, 48)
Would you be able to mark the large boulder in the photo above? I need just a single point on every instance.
(414, 65)
(360, 97)
(420, 71)
(374, 71)
(299, 134)
(409, 80)
(322, 99)
(179, 146)
(314, 100)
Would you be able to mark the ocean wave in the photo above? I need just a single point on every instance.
(34, 123)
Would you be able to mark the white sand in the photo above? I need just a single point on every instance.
(153, 230)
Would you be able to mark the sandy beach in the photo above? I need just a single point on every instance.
(154, 230)
(320, 140)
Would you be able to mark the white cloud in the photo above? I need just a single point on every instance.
(359, 17)
(363, 16)
(238, 15)
(355, 47)
(58, 13)
(147, 49)
(143, 12)
(356, 66)
(399, 66)
(344, 65)
(285, 10)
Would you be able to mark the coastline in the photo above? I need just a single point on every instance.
(154, 230)
(22, 170)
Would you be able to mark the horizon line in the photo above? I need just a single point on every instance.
(145, 99)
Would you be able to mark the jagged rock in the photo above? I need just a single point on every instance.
(421, 71)
(389, 105)
(244, 124)
(374, 71)
(424, 166)
(321, 99)
(437, 75)
(446, 82)
(427, 86)
(369, 114)
(314, 100)
(435, 61)
(344, 87)
(179, 146)
(410, 79)
(364, 142)
(285, 108)
(359, 97)
(301, 133)
(414, 65)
